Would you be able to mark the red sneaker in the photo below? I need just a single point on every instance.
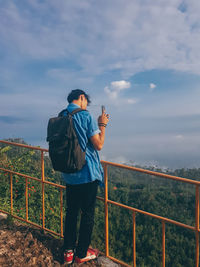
(91, 255)
(68, 256)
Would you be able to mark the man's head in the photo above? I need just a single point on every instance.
(79, 97)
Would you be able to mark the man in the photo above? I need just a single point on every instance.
(81, 187)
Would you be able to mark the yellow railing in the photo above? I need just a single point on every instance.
(163, 220)
(106, 201)
(42, 181)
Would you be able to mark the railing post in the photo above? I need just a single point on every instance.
(106, 209)
(11, 194)
(163, 244)
(43, 178)
(61, 212)
(197, 225)
(26, 196)
(134, 241)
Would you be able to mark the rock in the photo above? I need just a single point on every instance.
(56, 264)
(18, 234)
(22, 245)
(106, 262)
(3, 216)
(32, 261)
(29, 236)
(2, 251)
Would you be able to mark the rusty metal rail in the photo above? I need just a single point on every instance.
(42, 181)
(106, 201)
(163, 220)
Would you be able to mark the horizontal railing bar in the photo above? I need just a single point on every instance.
(100, 198)
(33, 178)
(22, 145)
(55, 185)
(20, 174)
(152, 215)
(118, 165)
(184, 180)
(149, 214)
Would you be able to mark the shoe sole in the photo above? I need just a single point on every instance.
(89, 258)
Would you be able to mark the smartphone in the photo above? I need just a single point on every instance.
(103, 109)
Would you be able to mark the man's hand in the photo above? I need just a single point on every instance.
(104, 118)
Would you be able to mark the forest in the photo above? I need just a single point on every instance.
(159, 196)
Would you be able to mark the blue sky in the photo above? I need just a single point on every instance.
(139, 58)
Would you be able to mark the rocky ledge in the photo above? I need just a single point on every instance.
(23, 245)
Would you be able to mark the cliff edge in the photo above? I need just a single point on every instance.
(23, 245)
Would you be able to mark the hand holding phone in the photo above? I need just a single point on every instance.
(104, 118)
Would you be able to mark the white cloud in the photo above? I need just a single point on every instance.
(120, 85)
(128, 37)
(113, 92)
(115, 88)
(152, 86)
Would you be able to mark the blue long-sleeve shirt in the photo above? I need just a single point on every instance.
(86, 127)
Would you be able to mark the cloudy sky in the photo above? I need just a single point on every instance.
(140, 58)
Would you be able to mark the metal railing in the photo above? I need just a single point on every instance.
(163, 220)
(42, 181)
(106, 201)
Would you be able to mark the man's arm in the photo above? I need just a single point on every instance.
(98, 139)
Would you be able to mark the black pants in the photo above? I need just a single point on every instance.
(80, 198)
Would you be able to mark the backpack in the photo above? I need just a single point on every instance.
(64, 149)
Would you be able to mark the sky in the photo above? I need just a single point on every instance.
(139, 58)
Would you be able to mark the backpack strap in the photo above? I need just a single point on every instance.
(71, 113)
(75, 111)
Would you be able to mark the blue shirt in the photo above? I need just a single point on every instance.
(86, 127)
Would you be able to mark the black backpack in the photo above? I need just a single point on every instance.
(64, 149)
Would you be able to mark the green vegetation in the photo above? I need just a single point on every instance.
(160, 196)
